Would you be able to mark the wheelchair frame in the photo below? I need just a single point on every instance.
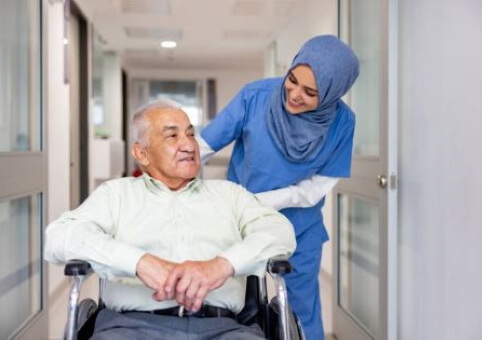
(80, 270)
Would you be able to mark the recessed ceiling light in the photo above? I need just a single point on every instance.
(168, 44)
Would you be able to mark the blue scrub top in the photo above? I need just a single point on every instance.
(258, 165)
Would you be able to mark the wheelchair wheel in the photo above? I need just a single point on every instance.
(86, 309)
(296, 331)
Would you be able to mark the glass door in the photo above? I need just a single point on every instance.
(365, 204)
(22, 173)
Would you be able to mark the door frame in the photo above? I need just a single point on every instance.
(363, 182)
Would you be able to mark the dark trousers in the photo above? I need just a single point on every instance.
(144, 326)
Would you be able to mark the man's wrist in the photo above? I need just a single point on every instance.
(145, 262)
(228, 268)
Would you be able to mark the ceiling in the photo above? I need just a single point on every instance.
(211, 34)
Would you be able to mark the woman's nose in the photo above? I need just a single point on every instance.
(296, 92)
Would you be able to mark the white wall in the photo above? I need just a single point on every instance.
(112, 93)
(106, 157)
(58, 158)
(315, 17)
(58, 134)
(440, 160)
(58, 141)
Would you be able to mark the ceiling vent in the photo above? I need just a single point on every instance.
(249, 8)
(283, 8)
(153, 33)
(246, 35)
(157, 7)
(138, 52)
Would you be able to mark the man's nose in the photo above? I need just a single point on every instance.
(188, 143)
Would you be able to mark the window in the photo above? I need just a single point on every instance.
(22, 184)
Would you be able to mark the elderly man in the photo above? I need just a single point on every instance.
(169, 242)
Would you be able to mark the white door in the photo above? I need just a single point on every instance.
(22, 173)
(365, 205)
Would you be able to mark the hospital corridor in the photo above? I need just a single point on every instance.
(400, 229)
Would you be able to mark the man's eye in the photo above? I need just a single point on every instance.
(171, 136)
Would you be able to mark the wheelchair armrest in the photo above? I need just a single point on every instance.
(279, 265)
(77, 268)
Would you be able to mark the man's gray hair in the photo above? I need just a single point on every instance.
(139, 123)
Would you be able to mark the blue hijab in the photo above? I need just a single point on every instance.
(300, 137)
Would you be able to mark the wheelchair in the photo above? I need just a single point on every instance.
(274, 315)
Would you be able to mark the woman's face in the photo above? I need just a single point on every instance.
(301, 90)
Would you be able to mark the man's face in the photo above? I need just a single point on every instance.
(173, 153)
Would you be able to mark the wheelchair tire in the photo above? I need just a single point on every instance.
(296, 330)
(86, 309)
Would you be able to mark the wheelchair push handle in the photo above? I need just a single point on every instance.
(77, 268)
(279, 265)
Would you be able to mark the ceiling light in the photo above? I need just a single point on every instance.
(168, 44)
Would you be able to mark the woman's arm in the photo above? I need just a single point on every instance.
(204, 149)
(304, 194)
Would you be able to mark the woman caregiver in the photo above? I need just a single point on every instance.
(293, 141)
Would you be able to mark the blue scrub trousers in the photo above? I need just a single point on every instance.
(303, 288)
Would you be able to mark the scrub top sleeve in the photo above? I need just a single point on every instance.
(339, 162)
(228, 124)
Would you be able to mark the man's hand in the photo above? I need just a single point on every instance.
(190, 281)
(153, 272)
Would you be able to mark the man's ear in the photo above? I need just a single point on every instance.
(140, 154)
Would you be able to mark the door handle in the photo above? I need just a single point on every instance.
(382, 181)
